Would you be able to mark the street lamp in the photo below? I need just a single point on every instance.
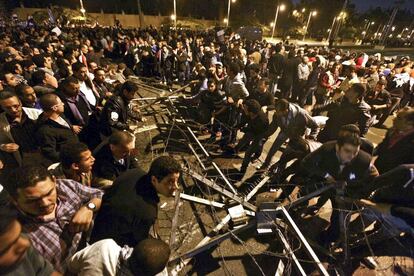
(312, 13)
(175, 15)
(82, 9)
(281, 7)
(364, 33)
(228, 12)
(330, 30)
(403, 30)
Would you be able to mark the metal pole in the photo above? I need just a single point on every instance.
(228, 14)
(290, 252)
(366, 30)
(175, 219)
(307, 25)
(202, 201)
(82, 9)
(175, 14)
(330, 30)
(140, 14)
(274, 23)
(220, 189)
(308, 248)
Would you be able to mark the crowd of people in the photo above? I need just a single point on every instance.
(74, 199)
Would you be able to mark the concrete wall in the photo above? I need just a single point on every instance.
(127, 20)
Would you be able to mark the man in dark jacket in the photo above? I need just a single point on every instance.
(276, 65)
(397, 148)
(114, 158)
(77, 108)
(115, 113)
(380, 101)
(254, 129)
(131, 204)
(263, 95)
(351, 109)
(333, 162)
(290, 73)
(293, 121)
(54, 130)
(104, 89)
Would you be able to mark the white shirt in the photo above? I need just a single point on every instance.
(90, 96)
(98, 259)
(101, 259)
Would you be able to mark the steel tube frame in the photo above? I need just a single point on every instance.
(205, 151)
(308, 248)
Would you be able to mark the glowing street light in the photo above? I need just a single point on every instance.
(312, 13)
(281, 7)
(228, 12)
(175, 15)
(303, 10)
(225, 20)
(366, 30)
(403, 30)
(82, 9)
(332, 26)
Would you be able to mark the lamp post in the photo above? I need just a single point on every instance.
(366, 30)
(82, 9)
(279, 8)
(330, 30)
(175, 14)
(228, 13)
(312, 13)
(341, 17)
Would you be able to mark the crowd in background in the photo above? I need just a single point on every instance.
(70, 170)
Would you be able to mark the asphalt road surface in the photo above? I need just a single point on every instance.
(246, 253)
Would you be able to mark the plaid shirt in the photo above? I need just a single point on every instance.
(52, 238)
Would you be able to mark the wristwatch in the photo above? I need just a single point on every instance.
(91, 206)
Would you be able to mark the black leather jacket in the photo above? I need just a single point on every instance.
(114, 115)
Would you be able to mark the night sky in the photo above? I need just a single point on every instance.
(363, 5)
